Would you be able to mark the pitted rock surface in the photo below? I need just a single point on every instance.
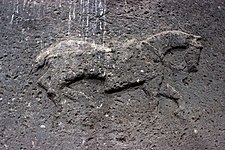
(124, 75)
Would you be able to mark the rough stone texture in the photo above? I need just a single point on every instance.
(115, 75)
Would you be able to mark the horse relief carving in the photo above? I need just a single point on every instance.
(138, 64)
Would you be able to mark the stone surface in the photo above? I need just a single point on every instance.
(103, 74)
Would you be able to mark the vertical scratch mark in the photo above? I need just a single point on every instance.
(80, 18)
(95, 22)
(101, 12)
(104, 23)
(82, 21)
(88, 11)
(17, 6)
(69, 19)
(74, 10)
(12, 17)
(42, 41)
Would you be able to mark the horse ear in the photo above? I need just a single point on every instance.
(195, 41)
